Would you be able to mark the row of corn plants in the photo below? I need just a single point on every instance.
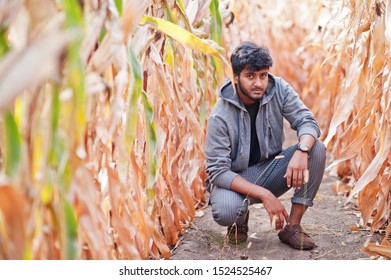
(337, 55)
(103, 108)
(351, 86)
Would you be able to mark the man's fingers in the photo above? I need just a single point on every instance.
(299, 178)
(306, 176)
(299, 181)
(281, 220)
(286, 216)
(295, 180)
(288, 177)
(277, 221)
(273, 221)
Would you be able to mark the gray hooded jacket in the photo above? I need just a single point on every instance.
(228, 134)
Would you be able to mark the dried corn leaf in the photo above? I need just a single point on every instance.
(369, 193)
(30, 66)
(133, 10)
(373, 169)
(340, 188)
(12, 223)
(376, 250)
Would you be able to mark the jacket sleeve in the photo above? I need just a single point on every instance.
(218, 153)
(299, 116)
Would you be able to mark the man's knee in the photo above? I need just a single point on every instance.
(226, 214)
(318, 152)
(316, 165)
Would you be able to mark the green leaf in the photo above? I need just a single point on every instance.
(170, 15)
(169, 57)
(102, 35)
(118, 4)
(151, 139)
(216, 35)
(181, 6)
(57, 157)
(4, 47)
(216, 23)
(182, 13)
(136, 66)
(70, 231)
(55, 116)
(133, 97)
(12, 145)
(73, 13)
(75, 68)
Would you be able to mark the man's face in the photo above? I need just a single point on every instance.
(251, 84)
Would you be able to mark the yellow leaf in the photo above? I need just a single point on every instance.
(183, 36)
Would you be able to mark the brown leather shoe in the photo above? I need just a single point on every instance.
(296, 237)
(238, 233)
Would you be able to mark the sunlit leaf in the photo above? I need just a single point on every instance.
(12, 145)
(151, 136)
(118, 4)
(216, 35)
(133, 98)
(70, 231)
(3, 41)
(181, 35)
(216, 24)
(73, 11)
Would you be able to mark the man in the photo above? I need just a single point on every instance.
(245, 161)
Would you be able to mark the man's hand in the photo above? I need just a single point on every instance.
(297, 170)
(277, 212)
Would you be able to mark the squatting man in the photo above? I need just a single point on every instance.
(245, 160)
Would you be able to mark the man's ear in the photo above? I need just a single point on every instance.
(236, 79)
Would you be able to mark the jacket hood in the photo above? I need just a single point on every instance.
(228, 92)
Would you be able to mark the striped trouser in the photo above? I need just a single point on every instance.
(230, 207)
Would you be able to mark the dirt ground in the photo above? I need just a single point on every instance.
(329, 222)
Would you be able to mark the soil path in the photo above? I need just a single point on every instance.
(328, 222)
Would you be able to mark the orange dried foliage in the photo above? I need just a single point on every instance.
(121, 209)
(337, 54)
(12, 222)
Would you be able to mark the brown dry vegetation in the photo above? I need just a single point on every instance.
(337, 53)
(104, 105)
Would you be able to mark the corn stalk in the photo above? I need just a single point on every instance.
(104, 106)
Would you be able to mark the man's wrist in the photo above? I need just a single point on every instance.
(262, 193)
(303, 148)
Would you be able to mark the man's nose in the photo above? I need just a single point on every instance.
(258, 82)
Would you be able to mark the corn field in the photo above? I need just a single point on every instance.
(104, 105)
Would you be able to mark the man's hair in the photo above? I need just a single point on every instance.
(248, 54)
